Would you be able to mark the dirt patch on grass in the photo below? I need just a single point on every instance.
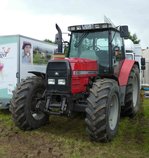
(67, 138)
(19, 144)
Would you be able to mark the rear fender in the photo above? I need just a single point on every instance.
(123, 77)
(125, 71)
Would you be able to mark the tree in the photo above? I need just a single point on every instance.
(134, 38)
(47, 40)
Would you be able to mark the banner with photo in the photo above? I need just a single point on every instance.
(34, 55)
(36, 52)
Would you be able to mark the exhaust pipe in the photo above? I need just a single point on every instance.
(58, 39)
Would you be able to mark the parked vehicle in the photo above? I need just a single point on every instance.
(134, 52)
(18, 55)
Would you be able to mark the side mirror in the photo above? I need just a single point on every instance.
(142, 63)
(124, 33)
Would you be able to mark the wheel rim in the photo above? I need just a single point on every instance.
(37, 115)
(113, 113)
(135, 90)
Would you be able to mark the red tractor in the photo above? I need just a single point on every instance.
(95, 78)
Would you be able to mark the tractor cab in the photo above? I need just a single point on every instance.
(101, 42)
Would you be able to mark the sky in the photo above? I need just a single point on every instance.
(37, 18)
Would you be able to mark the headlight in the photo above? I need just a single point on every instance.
(51, 81)
(61, 82)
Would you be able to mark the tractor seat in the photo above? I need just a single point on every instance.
(103, 57)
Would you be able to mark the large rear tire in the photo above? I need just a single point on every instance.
(24, 101)
(103, 110)
(132, 97)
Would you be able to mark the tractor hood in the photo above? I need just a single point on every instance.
(83, 66)
(76, 71)
(82, 71)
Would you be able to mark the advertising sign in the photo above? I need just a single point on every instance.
(8, 69)
(34, 55)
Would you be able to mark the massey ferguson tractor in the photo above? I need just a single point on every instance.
(94, 78)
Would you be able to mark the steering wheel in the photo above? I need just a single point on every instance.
(98, 51)
(97, 48)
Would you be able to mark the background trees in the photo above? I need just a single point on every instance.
(134, 38)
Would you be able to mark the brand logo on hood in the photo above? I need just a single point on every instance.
(56, 73)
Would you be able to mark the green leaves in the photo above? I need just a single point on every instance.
(134, 38)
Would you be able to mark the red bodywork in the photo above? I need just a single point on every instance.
(82, 70)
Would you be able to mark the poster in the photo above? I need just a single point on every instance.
(34, 55)
(8, 69)
(36, 52)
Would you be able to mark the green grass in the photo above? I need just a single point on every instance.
(146, 108)
(65, 137)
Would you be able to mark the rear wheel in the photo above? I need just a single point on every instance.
(24, 101)
(103, 110)
(132, 97)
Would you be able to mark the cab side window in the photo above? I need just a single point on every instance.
(117, 47)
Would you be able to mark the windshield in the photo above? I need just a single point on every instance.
(90, 45)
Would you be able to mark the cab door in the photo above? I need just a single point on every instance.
(118, 54)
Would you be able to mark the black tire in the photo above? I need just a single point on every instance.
(99, 110)
(132, 97)
(24, 101)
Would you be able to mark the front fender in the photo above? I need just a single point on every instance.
(39, 74)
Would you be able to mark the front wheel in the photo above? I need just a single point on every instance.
(103, 110)
(24, 101)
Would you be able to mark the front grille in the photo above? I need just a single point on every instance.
(59, 67)
(58, 70)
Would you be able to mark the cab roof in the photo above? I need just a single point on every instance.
(97, 26)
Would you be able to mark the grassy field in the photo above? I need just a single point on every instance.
(66, 138)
